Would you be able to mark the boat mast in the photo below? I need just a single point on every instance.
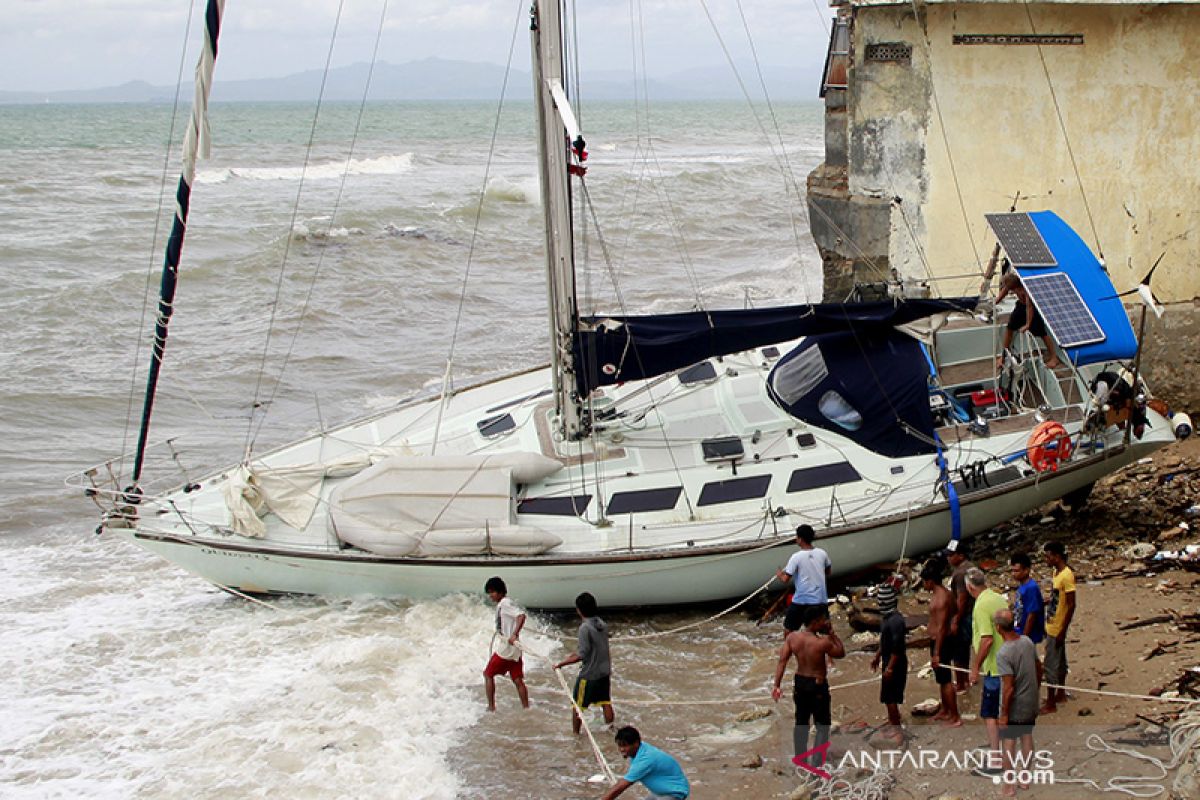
(559, 141)
(195, 142)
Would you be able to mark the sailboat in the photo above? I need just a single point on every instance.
(668, 459)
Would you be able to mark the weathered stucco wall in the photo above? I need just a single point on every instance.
(986, 126)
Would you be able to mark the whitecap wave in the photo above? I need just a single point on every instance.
(330, 170)
(514, 190)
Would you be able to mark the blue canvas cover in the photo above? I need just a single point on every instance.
(1095, 287)
(610, 350)
(880, 376)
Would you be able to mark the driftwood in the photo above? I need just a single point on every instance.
(1141, 623)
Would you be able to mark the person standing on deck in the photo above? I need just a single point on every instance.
(1059, 613)
(812, 646)
(592, 685)
(964, 604)
(941, 611)
(506, 657)
(807, 568)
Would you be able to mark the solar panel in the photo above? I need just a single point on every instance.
(1065, 313)
(1021, 240)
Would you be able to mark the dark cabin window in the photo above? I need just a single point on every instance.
(646, 500)
(572, 506)
(494, 426)
(824, 475)
(725, 448)
(699, 373)
(735, 489)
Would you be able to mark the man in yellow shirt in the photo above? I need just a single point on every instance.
(987, 641)
(1060, 610)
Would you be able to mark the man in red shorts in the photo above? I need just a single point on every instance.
(506, 656)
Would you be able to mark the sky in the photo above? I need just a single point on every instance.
(49, 45)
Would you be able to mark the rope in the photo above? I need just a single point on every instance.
(1127, 695)
(690, 625)
(600, 759)
(1184, 739)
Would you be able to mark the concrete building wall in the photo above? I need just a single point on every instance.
(956, 130)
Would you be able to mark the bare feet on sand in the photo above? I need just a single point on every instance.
(952, 723)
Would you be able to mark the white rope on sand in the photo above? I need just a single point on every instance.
(1127, 695)
(600, 759)
(1184, 740)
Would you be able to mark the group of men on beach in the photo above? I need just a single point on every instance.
(975, 635)
(976, 638)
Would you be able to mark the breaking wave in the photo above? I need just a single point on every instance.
(330, 170)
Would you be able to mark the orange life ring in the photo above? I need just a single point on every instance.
(1048, 445)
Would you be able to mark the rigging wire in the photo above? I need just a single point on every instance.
(1062, 125)
(922, 26)
(332, 216)
(154, 246)
(487, 171)
(287, 246)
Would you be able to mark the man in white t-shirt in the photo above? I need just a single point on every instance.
(808, 568)
(506, 655)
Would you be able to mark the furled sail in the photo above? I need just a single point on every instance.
(610, 350)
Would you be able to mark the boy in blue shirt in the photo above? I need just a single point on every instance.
(656, 770)
(1029, 611)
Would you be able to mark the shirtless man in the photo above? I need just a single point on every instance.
(941, 611)
(811, 645)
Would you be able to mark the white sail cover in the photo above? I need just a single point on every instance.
(291, 492)
(440, 505)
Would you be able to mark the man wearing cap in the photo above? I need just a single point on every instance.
(892, 654)
(808, 568)
(964, 604)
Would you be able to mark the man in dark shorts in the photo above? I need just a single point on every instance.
(811, 646)
(1024, 317)
(941, 610)
(964, 604)
(1021, 673)
(807, 570)
(592, 686)
(892, 655)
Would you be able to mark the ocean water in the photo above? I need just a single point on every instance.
(327, 270)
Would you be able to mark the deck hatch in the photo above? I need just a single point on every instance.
(723, 448)
(734, 489)
(494, 426)
(698, 373)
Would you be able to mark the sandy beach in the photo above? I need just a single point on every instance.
(703, 694)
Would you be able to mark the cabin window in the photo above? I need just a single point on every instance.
(725, 448)
(698, 373)
(645, 500)
(735, 489)
(572, 506)
(837, 58)
(838, 411)
(793, 379)
(824, 475)
(494, 426)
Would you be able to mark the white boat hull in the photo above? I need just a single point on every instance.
(641, 579)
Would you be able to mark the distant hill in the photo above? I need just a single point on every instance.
(439, 79)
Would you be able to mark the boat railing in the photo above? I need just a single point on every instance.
(110, 486)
